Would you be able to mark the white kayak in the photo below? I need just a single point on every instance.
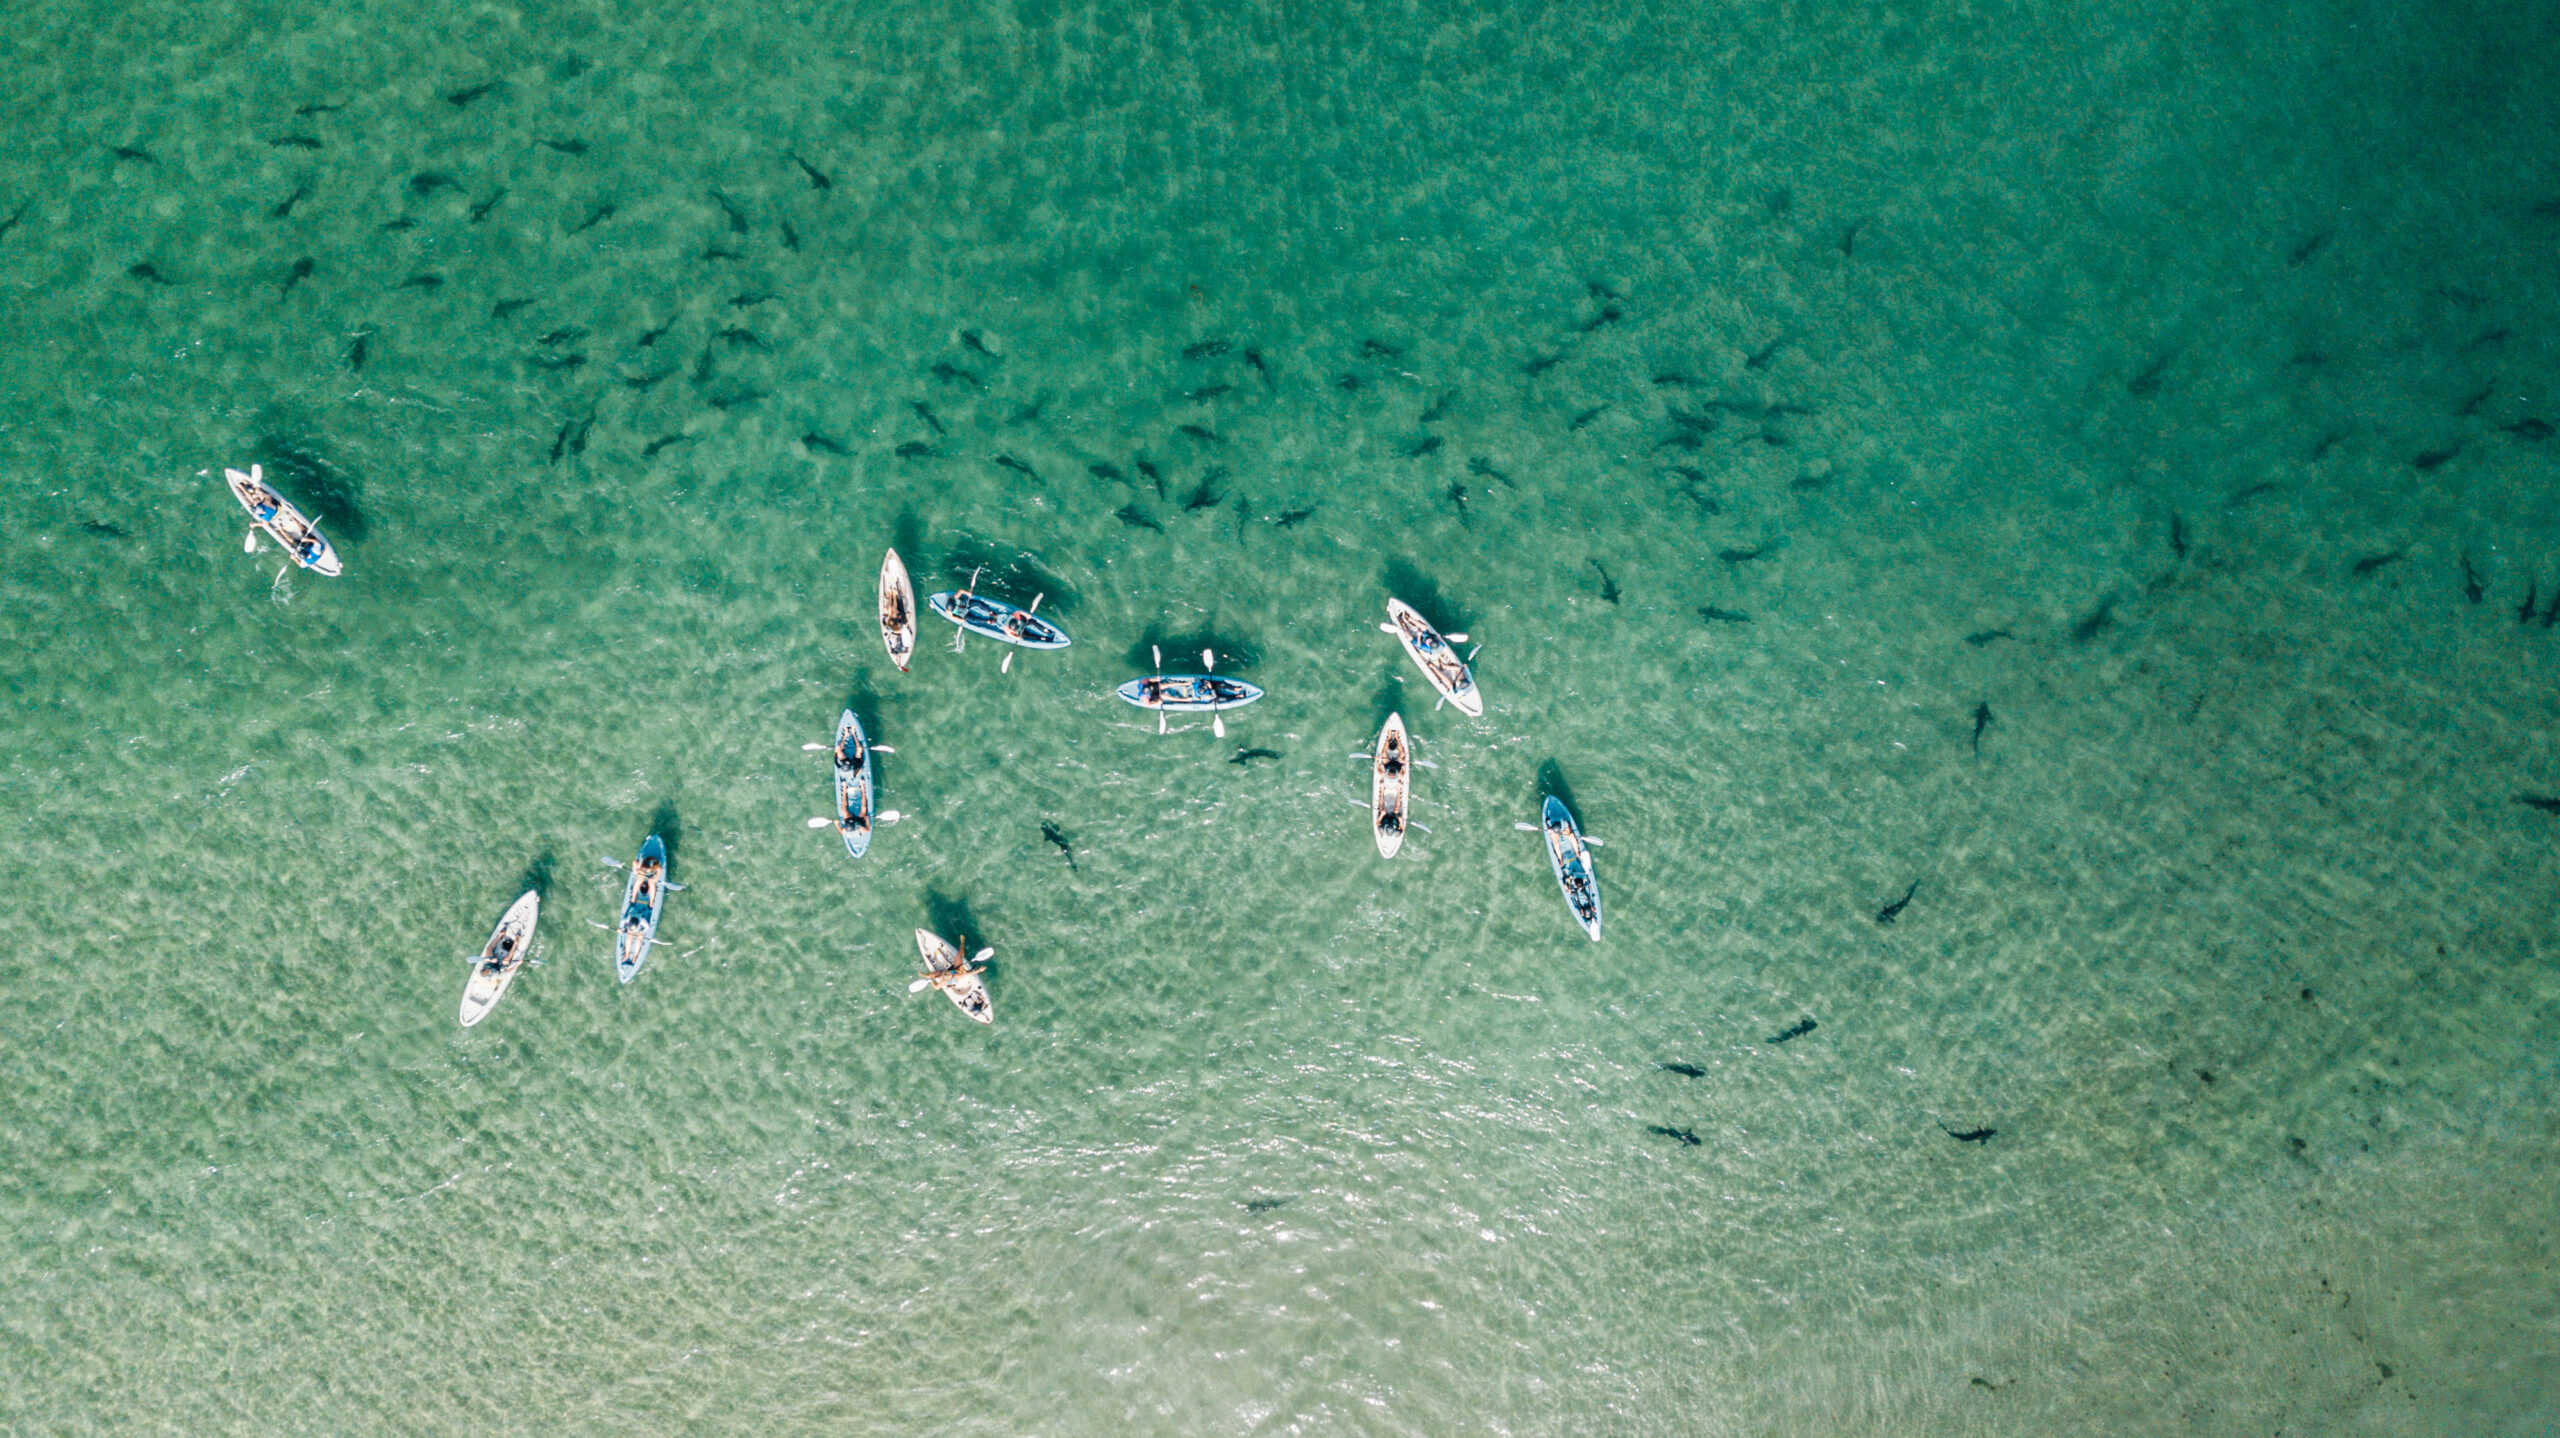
(946, 969)
(1189, 693)
(495, 967)
(854, 789)
(1572, 860)
(643, 900)
(274, 514)
(897, 610)
(998, 620)
(1440, 664)
(1390, 786)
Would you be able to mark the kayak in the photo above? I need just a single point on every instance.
(998, 620)
(495, 966)
(1572, 860)
(853, 785)
(1440, 664)
(1188, 693)
(897, 610)
(296, 535)
(947, 970)
(642, 901)
(1390, 786)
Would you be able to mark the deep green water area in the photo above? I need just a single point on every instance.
(2085, 469)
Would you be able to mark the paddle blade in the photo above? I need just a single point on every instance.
(250, 544)
(1386, 629)
(1594, 843)
(1531, 828)
(1035, 602)
(1471, 655)
(882, 749)
(814, 748)
(984, 955)
(919, 986)
(1007, 666)
(1217, 726)
(1159, 721)
(887, 816)
(820, 823)
(1455, 638)
(1158, 651)
(1209, 659)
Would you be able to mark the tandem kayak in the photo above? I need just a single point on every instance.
(643, 900)
(854, 789)
(1439, 663)
(1572, 861)
(998, 620)
(287, 526)
(1188, 693)
(1390, 786)
(947, 969)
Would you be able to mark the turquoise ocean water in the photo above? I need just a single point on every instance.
(1723, 371)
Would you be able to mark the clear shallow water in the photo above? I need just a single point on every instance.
(1271, 1137)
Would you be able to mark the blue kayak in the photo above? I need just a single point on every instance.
(998, 620)
(643, 900)
(1188, 693)
(1572, 860)
(854, 789)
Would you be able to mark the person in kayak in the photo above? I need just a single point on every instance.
(1577, 887)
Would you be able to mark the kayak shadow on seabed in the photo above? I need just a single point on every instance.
(1551, 781)
(668, 825)
(317, 484)
(1406, 581)
(864, 701)
(1008, 573)
(537, 875)
(950, 918)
